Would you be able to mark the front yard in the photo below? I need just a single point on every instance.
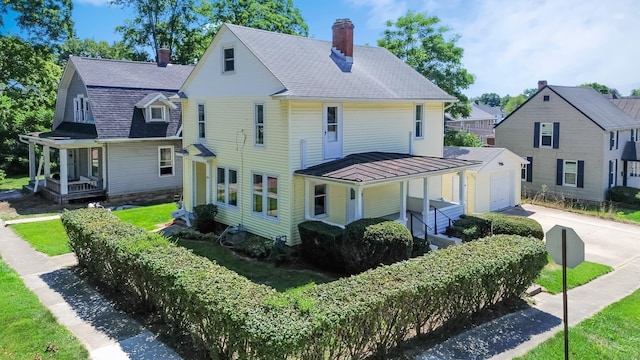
(551, 276)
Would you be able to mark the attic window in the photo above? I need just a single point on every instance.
(545, 98)
(229, 59)
(80, 109)
(156, 113)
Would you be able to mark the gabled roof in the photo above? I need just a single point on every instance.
(305, 69)
(596, 107)
(481, 154)
(130, 74)
(374, 167)
(630, 105)
(477, 113)
(155, 97)
(493, 110)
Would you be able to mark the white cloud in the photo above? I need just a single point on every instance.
(94, 2)
(381, 10)
(510, 45)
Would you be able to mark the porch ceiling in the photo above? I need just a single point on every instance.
(372, 167)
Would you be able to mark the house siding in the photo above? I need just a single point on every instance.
(133, 167)
(76, 86)
(578, 135)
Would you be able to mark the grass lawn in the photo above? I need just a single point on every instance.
(628, 214)
(147, 217)
(612, 333)
(13, 183)
(28, 327)
(47, 237)
(551, 276)
(280, 278)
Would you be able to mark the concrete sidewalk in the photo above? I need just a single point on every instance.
(106, 332)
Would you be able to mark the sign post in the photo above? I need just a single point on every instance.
(567, 249)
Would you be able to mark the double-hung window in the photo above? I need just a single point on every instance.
(227, 186)
(570, 176)
(634, 168)
(258, 115)
(201, 122)
(156, 113)
(613, 140)
(228, 54)
(166, 161)
(80, 109)
(419, 121)
(265, 195)
(320, 200)
(613, 169)
(570, 173)
(546, 134)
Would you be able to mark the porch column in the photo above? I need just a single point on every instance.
(463, 192)
(307, 200)
(47, 162)
(425, 201)
(403, 203)
(103, 171)
(359, 207)
(208, 185)
(32, 161)
(64, 182)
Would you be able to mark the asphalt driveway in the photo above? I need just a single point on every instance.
(606, 242)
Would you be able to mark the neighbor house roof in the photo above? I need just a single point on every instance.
(481, 154)
(630, 105)
(306, 70)
(595, 106)
(477, 113)
(380, 166)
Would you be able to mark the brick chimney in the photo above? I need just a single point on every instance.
(343, 37)
(164, 57)
(541, 84)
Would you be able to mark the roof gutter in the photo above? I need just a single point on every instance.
(126, 140)
(365, 100)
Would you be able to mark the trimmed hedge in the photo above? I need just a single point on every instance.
(352, 318)
(321, 244)
(205, 216)
(472, 227)
(625, 195)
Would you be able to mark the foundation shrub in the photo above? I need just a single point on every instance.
(321, 244)
(472, 227)
(625, 194)
(205, 217)
(230, 317)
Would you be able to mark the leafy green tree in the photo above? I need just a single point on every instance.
(461, 138)
(490, 99)
(421, 42)
(529, 92)
(635, 92)
(603, 89)
(513, 103)
(97, 49)
(505, 99)
(42, 20)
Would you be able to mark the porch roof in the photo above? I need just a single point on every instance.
(631, 152)
(373, 167)
(67, 131)
(197, 150)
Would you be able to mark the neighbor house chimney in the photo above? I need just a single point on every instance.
(541, 84)
(343, 37)
(164, 57)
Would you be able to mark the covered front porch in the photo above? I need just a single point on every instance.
(401, 187)
(65, 169)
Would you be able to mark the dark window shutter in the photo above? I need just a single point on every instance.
(617, 139)
(580, 173)
(556, 135)
(615, 176)
(559, 165)
(610, 173)
(529, 168)
(536, 135)
(610, 140)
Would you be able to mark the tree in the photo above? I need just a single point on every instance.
(419, 41)
(44, 21)
(603, 89)
(529, 92)
(490, 99)
(461, 138)
(514, 103)
(97, 49)
(635, 92)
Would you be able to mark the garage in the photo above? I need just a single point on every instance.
(500, 191)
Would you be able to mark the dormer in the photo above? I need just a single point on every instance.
(155, 107)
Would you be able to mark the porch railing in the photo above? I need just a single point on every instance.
(78, 186)
(435, 218)
(426, 227)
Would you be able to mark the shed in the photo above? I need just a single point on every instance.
(500, 172)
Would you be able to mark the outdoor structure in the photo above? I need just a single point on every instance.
(115, 132)
(279, 129)
(578, 142)
(499, 173)
(480, 121)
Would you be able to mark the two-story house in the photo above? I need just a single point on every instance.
(480, 122)
(279, 129)
(115, 132)
(573, 138)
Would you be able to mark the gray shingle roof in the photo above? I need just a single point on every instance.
(477, 113)
(631, 106)
(483, 154)
(130, 74)
(595, 106)
(304, 67)
(376, 166)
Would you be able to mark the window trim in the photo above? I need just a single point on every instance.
(265, 196)
(256, 125)
(550, 146)
(326, 201)
(565, 172)
(227, 186)
(82, 109)
(225, 59)
(150, 113)
(634, 169)
(202, 133)
(173, 160)
(417, 121)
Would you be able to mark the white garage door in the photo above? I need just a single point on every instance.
(500, 191)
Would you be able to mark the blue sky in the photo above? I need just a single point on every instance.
(509, 44)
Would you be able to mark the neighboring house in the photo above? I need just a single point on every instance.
(631, 153)
(499, 173)
(115, 132)
(574, 139)
(279, 129)
(480, 122)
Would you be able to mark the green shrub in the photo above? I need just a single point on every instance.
(320, 245)
(3, 175)
(205, 217)
(230, 317)
(371, 242)
(420, 246)
(625, 195)
(472, 227)
(255, 246)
